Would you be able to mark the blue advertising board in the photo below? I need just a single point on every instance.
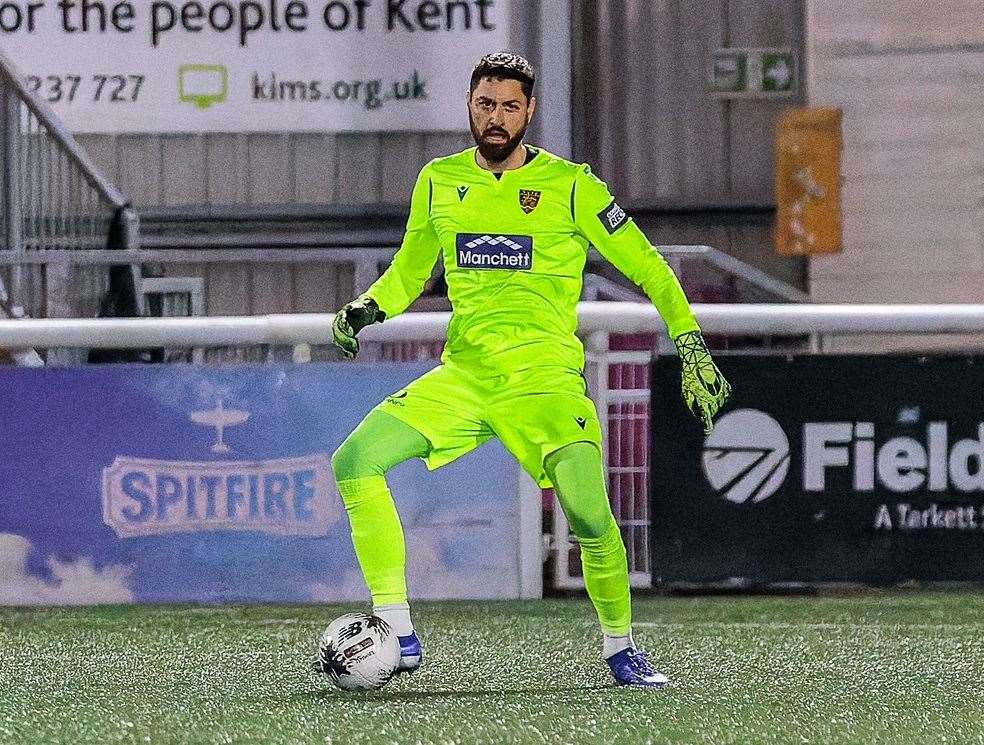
(163, 483)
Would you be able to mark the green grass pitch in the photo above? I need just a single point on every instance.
(879, 667)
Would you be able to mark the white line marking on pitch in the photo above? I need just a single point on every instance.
(786, 625)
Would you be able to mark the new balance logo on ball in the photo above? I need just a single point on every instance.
(484, 251)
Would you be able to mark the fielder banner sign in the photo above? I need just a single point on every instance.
(108, 66)
(189, 484)
(823, 469)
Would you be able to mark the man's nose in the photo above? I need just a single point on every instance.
(496, 117)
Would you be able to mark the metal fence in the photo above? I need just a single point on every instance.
(342, 271)
(54, 200)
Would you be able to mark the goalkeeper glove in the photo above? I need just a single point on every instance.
(350, 320)
(705, 390)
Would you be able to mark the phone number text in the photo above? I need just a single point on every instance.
(68, 88)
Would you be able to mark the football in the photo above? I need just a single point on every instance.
(359, 652)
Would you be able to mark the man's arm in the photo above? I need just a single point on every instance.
(404, 278)
(609, 229)
(616, 236)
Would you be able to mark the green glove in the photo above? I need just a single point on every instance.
(705, 390)
(350, 320)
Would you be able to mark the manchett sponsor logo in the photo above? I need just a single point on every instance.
(484, 251)
(746, 456)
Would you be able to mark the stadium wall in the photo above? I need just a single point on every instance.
(909, 77)
(653, 155)
(254, 169)
(643, 118)
(218, 169)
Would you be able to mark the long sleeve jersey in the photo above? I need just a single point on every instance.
(514, 250)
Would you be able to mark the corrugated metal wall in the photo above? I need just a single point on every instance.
(641, 116)
(254, 169)
(640, 110)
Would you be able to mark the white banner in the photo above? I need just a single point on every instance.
(252, 65)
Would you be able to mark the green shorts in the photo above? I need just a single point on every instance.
(533, 412)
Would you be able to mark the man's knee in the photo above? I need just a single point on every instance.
(575, 452)
(352, 460)
(578, 475)
(594, 525)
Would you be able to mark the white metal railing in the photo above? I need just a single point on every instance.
(623, 318)
(54, 196)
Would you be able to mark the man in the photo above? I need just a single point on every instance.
(514, 224)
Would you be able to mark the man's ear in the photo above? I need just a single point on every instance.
(529, 114)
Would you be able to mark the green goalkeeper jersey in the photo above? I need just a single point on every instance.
(514, 250)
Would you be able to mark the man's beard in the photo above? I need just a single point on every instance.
(496, 153)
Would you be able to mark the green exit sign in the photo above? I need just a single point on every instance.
(752, 71)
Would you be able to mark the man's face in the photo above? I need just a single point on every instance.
(499, 114)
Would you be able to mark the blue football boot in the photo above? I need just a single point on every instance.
(411, 653)
(631, 667)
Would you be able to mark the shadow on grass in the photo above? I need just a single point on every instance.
(331, 694)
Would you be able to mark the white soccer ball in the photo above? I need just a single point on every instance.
(359, 652)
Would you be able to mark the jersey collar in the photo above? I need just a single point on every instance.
(536, 155)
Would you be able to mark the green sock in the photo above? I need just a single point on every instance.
(606, 578)
(379, 442)
(377, 536)
(578, 475)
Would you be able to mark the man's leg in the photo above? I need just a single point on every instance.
(579, 478)
(380, 442)
(578, 475)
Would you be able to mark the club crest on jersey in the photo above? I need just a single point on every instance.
(528, 200)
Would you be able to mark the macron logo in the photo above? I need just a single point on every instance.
(483, 251)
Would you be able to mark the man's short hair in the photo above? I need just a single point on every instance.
(506, 66)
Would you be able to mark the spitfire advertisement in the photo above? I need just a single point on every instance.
(183, 484)
(823, 469)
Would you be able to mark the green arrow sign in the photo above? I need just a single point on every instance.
(747, 71)
(778, 71)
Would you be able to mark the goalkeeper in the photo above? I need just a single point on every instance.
(513, 224)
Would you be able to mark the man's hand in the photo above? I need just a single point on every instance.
(350, 320)
(705, 390)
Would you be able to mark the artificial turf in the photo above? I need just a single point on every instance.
(885, 667)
